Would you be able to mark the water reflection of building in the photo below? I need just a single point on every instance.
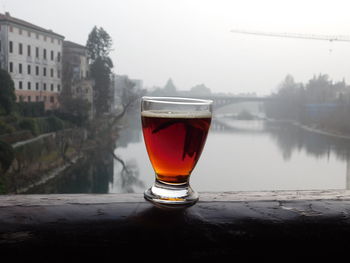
(127, 136)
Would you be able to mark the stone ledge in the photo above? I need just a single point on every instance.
(237, 196)
(235, 224)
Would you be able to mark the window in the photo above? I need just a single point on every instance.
(11, 28)
(58, 87)
(51, 73)
(29, 69)
(44, 98)
(20, 48)
(29, 34)
(52, 55)
(37, 70)
(20, 68)
(58, 73)
(11, 47)
(37, 86)
(29, 51)
(52, 99)
(19, 31)
(29, 85)
(44, 86)
(11, 67)
(44, 72)
(59, 56)
(20, 85)
(51, 87)
(37, 52)
(44, 53)
(29, 99)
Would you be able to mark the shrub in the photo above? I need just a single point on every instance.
(29, 124)
(31, 109)
(7, 155)
(55, 123)
(5, 128)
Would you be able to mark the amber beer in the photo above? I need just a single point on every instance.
(174, 142)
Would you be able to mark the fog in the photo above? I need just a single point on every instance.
(191, 42)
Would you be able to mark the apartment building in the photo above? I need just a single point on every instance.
(33, 57)
(76, 72)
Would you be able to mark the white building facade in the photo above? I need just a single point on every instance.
(33, 57)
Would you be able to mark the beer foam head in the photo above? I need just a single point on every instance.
(176, 114)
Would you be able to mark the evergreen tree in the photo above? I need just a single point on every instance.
(7, 93)
(98, 47)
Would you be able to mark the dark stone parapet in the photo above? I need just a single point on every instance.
(248, 225)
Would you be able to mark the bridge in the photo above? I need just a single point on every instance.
(220, 101)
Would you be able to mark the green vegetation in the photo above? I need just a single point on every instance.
(7, 93)
(7, 155)
(29, 124)
(31, 109)
(6, 128)
(99, 45)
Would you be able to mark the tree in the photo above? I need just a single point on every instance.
(7, 93)
(100, 72)
(99, 44)
(200, 90)
(98, 47)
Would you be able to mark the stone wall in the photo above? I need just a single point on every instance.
(36, 157)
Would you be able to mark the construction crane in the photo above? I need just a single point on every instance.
(330, 38)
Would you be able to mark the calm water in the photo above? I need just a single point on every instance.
(238, 156)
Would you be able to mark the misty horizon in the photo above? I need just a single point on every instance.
(191, 43)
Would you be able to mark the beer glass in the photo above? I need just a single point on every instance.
(174, 131)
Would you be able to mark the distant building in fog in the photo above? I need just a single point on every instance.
(76, 72)
(32, 56)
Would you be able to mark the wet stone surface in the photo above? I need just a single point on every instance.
(245, 225)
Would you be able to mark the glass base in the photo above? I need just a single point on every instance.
(171, 195)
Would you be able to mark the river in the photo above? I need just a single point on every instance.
(253, 155)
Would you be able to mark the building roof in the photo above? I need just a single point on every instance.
(8, 18)
(67, 43)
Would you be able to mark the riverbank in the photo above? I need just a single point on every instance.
(44, 178)
(41, 158)
(323, 132)
(334, 134)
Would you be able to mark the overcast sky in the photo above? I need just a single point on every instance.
(190, 40)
